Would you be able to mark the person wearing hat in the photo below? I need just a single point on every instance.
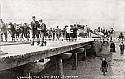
(34, 28)
(12, 30)
(42, 31)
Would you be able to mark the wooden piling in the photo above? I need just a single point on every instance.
(60, 66)
(75, 61)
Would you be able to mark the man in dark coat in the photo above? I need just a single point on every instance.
(34, 27)
(75, 29)
(3, 30)
(12, 31)
(26, 31)
(42, 31)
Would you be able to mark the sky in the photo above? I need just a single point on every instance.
(95, 13)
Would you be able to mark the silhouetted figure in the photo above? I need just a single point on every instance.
(121, 36)
(104, 66)
(58, 32)
(34, 27)
(12, 31)
(122, 47)
(112, 47)
(42, 31)
(3, 30)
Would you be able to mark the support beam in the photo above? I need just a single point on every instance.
(74, 61)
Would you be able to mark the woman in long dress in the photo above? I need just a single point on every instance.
(112, 47)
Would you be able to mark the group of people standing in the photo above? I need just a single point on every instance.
(106, 32)
(38, 30)
(17, 31)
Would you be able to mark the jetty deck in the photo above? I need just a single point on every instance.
(20, 54)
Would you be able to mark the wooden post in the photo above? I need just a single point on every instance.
(60, 66)
(85, 53)
(75, 61)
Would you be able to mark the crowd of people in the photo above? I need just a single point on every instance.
(105, 32)
(38, 30)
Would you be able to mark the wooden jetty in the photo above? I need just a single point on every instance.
(21, 54)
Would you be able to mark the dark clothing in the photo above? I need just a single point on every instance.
(122, 47)
(5, 34)
(42, 31)
(67, 36)
(53, 31)
(64, 32)
(42, 27)
(34, 27)
(35, 33)
(112, 47)
(22, 31)
(26, 31)
(13, 31)
(18, 31)
(104, 64)
(75, 32)
(3, 31)
(72, 30)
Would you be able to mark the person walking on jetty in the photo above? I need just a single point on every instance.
(42, 30)
(12, 31)
(112, 47)
(68, 33)
(3, 30)
(34, 27)
(58, 32)
(122, 47)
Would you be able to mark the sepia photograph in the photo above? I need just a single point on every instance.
(62, 39)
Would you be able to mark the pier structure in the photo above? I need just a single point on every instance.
(21, 54)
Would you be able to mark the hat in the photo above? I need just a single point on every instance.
(40, 20)
(33, 16)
